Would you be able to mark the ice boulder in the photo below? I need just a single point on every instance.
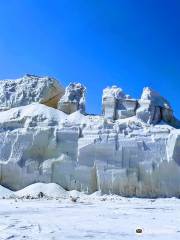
(28, 89)
(73, 99)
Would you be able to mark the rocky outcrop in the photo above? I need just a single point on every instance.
(113, 152)
(154, 108)
(73, 99)
(28, 89)
(117, 105)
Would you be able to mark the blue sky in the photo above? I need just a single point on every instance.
(99, 43)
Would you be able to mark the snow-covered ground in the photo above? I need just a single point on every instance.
(91, 217)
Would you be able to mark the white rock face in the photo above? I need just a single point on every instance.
(154, 108)
(115, 92)
(28, 89)
(73, 99)
(117, 105)
(127, 156)
(42, 144)
(155, 97)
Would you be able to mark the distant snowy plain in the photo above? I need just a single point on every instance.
(91, 217)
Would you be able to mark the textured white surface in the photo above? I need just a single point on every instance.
(115, 92)
(28, 89)
(116, 104)
(154, 108)
(5, 192)
(88, 153)
(128, 156)
(90, 218)
(73, 99)
(152, 95)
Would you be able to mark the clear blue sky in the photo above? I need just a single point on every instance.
(129, 43)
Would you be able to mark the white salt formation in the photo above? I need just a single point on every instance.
(133, 149)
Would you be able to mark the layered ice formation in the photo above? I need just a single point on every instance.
(132, 149)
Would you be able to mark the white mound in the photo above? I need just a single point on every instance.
(49, 190)
(96, 194)
(26, 114)
(5, 192)
(76, 194)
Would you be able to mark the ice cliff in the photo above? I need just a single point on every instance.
(132, 149)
